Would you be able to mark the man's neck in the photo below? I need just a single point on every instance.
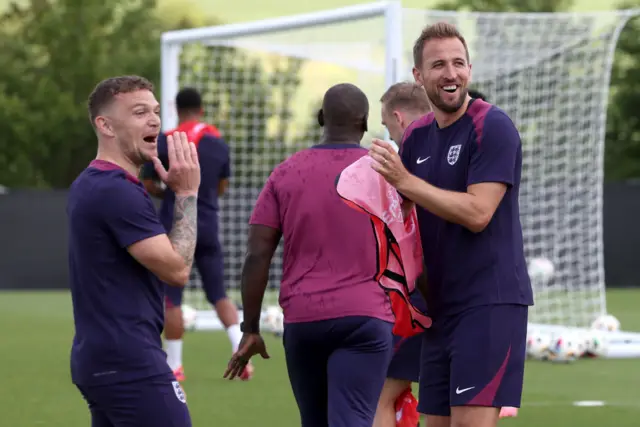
(336, 136)
(188, 118)
(120, 160)
(447, 119)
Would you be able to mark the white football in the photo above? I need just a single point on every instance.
(596, 343)
(607, 323)
(541, 270)
(189, 317)
(273, 320)
(567, 347)
(538, 343)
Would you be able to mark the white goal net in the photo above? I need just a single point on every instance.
(262, 83)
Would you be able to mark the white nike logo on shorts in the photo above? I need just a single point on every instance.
(458, 391)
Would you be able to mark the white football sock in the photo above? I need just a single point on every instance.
(235, 335)
(174, 353)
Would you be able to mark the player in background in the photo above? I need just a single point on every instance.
(402, 104)
(215, 168)
(338, 320)
(461, 165)
(476, 94)
(118, 249)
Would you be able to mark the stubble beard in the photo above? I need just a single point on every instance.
(440, 104)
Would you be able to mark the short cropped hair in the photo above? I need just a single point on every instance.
(477, 94)
(105, 92)
(438, 31)
(188, 99)
(406, 95)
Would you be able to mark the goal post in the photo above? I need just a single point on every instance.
(262, 84)
(263, 81)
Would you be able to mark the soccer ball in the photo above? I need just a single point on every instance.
(189, 316)
(538, 343)
(541, 270)
(567, 347)
(596, 343)
(273, 320)
(607, 323)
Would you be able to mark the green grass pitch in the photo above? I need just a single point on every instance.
(36, 388)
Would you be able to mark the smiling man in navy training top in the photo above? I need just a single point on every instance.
(215, 166)
(117, 251)
(461, 165)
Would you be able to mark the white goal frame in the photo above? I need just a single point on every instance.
(172, 41)
(395, 56)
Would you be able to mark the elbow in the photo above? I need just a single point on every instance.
(179, 278)
(477, 223)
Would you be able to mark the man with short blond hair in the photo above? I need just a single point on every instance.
(403, 103)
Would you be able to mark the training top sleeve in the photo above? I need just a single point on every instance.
(494, 156)
(267, 209)
(128, 212)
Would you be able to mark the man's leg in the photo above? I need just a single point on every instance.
(210, 263)
(156, 401)
(357, 370)
(307, 351)
(386, 410)
(433, 399)
(99, 417)
(174, 330)
(488, 348)
(403, 370)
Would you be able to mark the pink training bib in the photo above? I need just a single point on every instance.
(398, 241)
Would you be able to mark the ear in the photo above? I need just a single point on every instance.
(365, 124)
(103, 126)
(399, 118)
(321, 117)
(417, 76)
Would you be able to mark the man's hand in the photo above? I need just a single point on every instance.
(250, 345)
(183, 176)
(388, 163)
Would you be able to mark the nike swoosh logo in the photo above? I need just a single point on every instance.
(458, 391)
(419, 161)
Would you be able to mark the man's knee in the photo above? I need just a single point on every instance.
(474, 416)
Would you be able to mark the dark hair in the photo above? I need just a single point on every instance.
(105, 92)
(477, 94)
(406, 95)
(344, 105)
(438, 31)
(188, 99)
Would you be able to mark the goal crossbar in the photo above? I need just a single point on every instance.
(284, 23)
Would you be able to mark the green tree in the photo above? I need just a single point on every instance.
(622, 153)
(57, 51)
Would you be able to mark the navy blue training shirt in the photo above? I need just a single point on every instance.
(117, 303)
(467, 269)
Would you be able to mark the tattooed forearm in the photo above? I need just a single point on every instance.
(184, 231)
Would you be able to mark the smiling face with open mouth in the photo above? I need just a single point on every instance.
(135, 121)
(445, 73)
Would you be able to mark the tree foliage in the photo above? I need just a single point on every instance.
(56, 52)
(622, 153)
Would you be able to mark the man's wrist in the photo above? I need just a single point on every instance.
(250, 327)
(406, 184)
(185, 194)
